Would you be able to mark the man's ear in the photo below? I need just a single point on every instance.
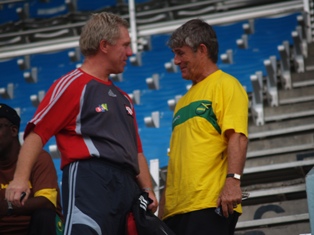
(203, 48)
(103, 46)
(15, 130)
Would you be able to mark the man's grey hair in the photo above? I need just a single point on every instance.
(192, 34)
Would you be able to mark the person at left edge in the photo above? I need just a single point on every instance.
(42, 213)
(104, 168)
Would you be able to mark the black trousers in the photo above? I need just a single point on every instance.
(43, 221)
(202, 222)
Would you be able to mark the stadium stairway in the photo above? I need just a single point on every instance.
(280, 154)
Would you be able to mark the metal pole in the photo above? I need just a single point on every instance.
(133, 26)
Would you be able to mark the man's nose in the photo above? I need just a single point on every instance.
(176, 60)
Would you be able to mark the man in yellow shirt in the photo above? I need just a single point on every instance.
(209, 139)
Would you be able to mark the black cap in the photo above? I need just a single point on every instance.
(10, 114)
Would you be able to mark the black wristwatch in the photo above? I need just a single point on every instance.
(234, 175)
(10, 208)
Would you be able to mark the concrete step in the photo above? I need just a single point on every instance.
(269, 160)
(296, 95)
(273, 221)
(278, 172)
(275, 194)
(310, 48)
(280, 220)
(303, 79)
(289, 217)
(282, 149)
(280, 145)
(284, 127)
(298, 228)
(282, 131)
(293, 110)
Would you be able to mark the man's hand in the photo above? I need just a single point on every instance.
(154, 205)
(15, 190)
(230, 196)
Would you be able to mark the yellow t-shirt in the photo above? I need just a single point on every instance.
(197, 166)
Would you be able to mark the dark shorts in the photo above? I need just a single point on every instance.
(203, 222)
(97, 197)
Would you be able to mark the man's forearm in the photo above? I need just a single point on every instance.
(144, 179)
(29, 152)
(237, 147)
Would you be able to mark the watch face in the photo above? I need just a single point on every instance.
(237, 176)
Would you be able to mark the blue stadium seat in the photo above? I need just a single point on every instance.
(155, 143)
(271, 32)
(47, 9)
(95, 5)
(8, 12)
(227, 35)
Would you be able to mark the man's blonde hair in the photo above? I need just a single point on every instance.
(101, 26)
